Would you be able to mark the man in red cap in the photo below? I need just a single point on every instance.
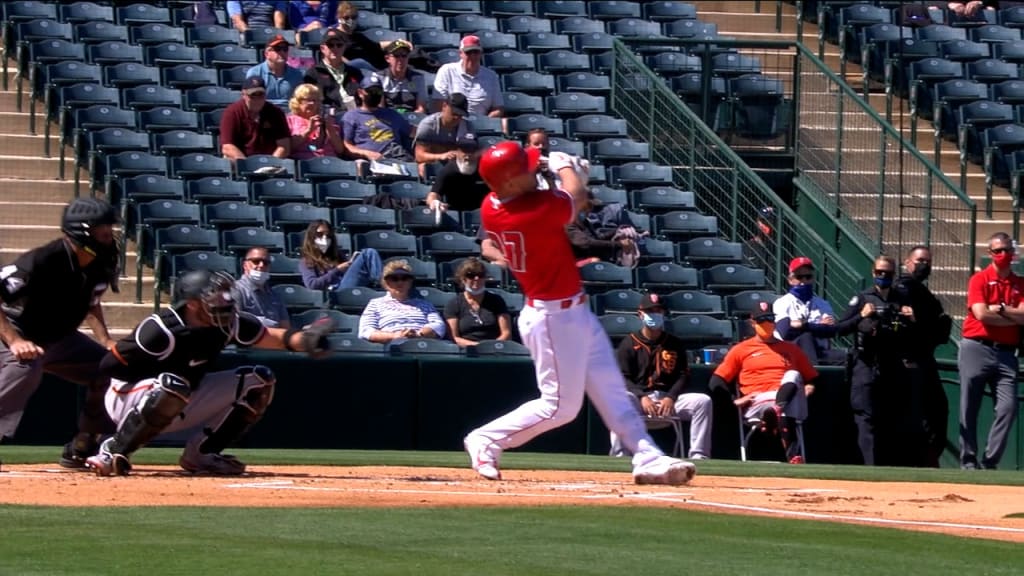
(774, 378)
(279, 78)
(470, 77)
(806, 319)
(571, 351)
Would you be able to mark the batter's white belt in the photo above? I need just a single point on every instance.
(557, 304)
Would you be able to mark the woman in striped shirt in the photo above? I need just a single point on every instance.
(399, 314)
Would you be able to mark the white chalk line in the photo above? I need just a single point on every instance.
(672, 497)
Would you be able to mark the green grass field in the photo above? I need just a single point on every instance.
(483, 541)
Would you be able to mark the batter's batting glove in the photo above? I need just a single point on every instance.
(314, 337)
(559, 160)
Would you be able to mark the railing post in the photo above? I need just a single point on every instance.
(799, 20)
(839, 155)
(880, 226)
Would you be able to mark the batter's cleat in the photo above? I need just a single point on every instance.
(665, 470)
(107, 463)
(211, 464)
(798, 459)
(78, 450)
(484, 461)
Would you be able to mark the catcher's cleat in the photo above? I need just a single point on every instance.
(664, 470)
(211, 464)
(483, 460)
(107, 463)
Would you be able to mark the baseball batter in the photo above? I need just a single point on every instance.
(570, 350)
(160, 379)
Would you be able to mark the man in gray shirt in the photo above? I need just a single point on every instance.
(442, 134)
(253, 294)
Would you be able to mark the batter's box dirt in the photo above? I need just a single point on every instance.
(967, 510)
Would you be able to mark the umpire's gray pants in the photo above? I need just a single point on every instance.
(982, 366)
(76, 358)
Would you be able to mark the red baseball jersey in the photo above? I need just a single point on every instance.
(531, 231)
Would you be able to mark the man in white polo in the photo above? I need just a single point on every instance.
(470, 77)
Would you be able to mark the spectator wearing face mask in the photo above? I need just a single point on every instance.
(805, 319)
(253, 294)
(374, 132)
(440, 135)
(323, 267)
(359, 51)
(458, 185)
(475, 315)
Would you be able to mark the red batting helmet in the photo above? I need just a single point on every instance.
(504, 161)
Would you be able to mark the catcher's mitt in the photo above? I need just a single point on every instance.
(314, 337)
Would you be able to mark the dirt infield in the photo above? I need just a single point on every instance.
(959, 509)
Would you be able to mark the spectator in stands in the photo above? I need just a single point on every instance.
(257, 14)
(280, 78)
(774, 380)
(653, 363)
(601, 232)
(405, 89)
(337, 80)
(468, 76)
(374, 132)
(400, 314)
(304, 16)
(475, 314)
(458, 185)
(315, 130)
(538, 138)
(251, 127)
(323, 268)
(253, 294)
(761, 248)
(360, 51)
(805, 319)
(442, 135)
(974, 10)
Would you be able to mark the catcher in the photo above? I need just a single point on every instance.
(160, 379)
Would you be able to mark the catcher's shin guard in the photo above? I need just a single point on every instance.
(158, 408)
(256, 391)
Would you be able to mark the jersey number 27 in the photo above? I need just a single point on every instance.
(514, 246)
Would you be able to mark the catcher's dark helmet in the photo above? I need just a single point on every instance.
(213, 290)
(82, 216)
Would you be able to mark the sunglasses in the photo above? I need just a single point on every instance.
(400, 55)
(280, 49)
(884, 273)
(803, 277)
(398, 278)
(1001, 250)
(335, 44)
(474, 276)
(258, 261)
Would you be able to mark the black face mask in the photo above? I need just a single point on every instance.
(373, 98)
(922, 271)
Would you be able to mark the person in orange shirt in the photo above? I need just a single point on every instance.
(774, 379)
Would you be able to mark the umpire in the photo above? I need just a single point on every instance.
(933, 326)
(883, 368)
(988, 353)
(44, 297)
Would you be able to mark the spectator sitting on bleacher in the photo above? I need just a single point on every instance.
(360, 51)
(257, 14)
(400, 314)
(305, 16)
(604, 232)
(405, 89)
(323, 268)
(470, 77)
(805, 319)
(315, 131)
(250, 127)
(374, 132)
(440, 136)
(253, 294)
(337, 80)
(475, 314)
(973, 10)
(458, 185)
(280, 78)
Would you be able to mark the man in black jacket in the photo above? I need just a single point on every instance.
(653, 363)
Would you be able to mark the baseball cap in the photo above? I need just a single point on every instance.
(333, 34)
(470, 43)
(763, 312)
(254, 84)
(650, 301)
(397, 45)
(276, 41)
(369, 81)
(459, 105)
(799, 262)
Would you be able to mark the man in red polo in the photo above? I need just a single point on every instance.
(250, 127)
(988, 353)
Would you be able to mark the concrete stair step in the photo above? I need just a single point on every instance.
(33, 168)
(41, 190)
(14, 213)
(18, 122)
(26, 145)
(9, 100)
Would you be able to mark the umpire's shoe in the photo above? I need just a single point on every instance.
(107, 463)
(78, 450)
(211, 464)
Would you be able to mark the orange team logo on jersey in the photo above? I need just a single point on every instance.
(668, 360)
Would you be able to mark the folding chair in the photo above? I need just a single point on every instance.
(752, 420)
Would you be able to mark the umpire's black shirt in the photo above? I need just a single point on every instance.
(47, 295)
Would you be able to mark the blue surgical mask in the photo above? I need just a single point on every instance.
(476, 291)
(883, 281)
(259, 277)
(653, 320)
(803, 292)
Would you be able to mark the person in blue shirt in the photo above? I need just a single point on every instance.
(304, 16)
(374, 132)
(257, 14)
(280, 78)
